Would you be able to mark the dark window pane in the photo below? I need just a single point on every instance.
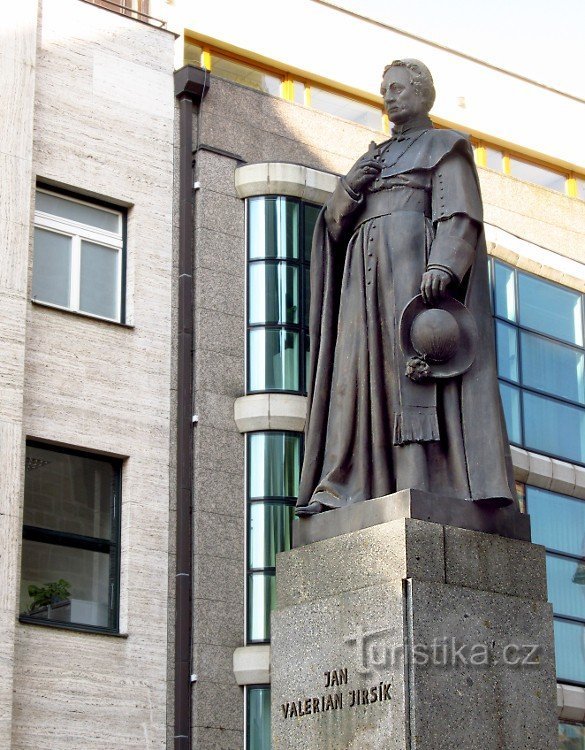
(507, 350)
(99, 291)
(270, 532)
(306, 294)
(245, 74)
(273, 464)
(558, 521)
(505, 292)
(52, 267)
(553, 427)
(571, 736)
(259, 733)
(539, 175)
(570, 651)
(261, 600)
(552, 367)
(307, 361)
(511, 405)
(86, 572)
(311, 214)
(68, 493)
(80, 212)
(566, 586)
(273, 227)
(551, 309)
(274, 363)
(273, 293)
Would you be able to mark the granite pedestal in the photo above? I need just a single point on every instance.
(411, 634)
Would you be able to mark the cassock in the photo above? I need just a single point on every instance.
(370, 430)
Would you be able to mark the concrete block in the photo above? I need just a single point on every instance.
(220, 535)
(539, 470)
(252, 412)
(216, 171)
(221, 292)
(213, 662)
(579, 490)
(487, 562)
(386, 552)
(251, 665)
(286, 179)
(563, 477)
(220, 251)
(573, 703)
(214, 738)
(520, 460)
(251, 179)
(221, 212)
(319, 186)
(215, 409)
(219, 623)
(217, 491)
(287, 412)
(219, 579)
(219, 372)
(220, 332)
(214, 705)
(216, 449)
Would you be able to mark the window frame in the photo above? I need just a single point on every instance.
(520, 328)
(79, 232)
(92, 544)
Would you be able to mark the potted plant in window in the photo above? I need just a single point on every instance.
(50, 596)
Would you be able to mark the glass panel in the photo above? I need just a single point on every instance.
(259, 732)
(511, 405)
(51, 267)
(553, 427)
(581, 188)
(494, 158)
(261, 601)
(274, 464)
(245, 74)
(192, 54)
(274, 360)
(306, 294)
(81, 212)
(570, 651)
(505, 296)
(311, 214)
(68, 493)
(98, 285)
(539, 175)
(273, 227)
(571, 736)
(270, 532)
(566, 586)
(557, 521)
(507, 350)
(550, 308)
(85, 579)
(350, 109)
(552, 367)
(299, 92)
(273, 293)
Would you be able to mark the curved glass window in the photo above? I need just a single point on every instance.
(258, 717)
(541, 362)
(274, 463)
(280, 231)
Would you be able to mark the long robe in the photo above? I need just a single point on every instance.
(371, 431)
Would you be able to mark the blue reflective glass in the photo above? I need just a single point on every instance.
(274, 464)
(261, 601)
(270, 532)
(557, 521)
(552, 367)
(507, 350)
(273, 227)
(554, 427)
(550, 308)
(570, 651)
(566, 585)
(511, 405)
(505, 292)
(273, 293)
(274, 360)
(258, 719)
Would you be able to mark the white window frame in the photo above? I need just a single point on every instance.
(79, 232)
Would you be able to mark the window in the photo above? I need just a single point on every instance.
(78, 255)
(70, 548)
(571, 736)
(258, 717)
(345, 107)
(558, 523)
(279, 246)
(540, 351)
(274, 465)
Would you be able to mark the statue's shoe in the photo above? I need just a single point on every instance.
(310, 510)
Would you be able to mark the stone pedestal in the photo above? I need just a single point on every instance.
(412, 635)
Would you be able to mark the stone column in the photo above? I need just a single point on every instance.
(411, 634)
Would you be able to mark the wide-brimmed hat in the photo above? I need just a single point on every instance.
(439, 341)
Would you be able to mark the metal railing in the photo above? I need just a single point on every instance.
(137, 9)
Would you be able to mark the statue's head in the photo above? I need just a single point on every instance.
(408, 90)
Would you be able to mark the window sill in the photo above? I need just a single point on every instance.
(24, 620)
(81, 314)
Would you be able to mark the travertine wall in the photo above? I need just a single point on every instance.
(261, 128)
(103, 125)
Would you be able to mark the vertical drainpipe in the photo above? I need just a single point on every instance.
(191, 85)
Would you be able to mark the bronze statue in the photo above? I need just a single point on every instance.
(403, 390)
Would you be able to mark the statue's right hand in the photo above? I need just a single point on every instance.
(364, 171)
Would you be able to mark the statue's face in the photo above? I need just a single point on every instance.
(401, 100)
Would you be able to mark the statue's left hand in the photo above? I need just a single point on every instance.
(434, 285)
